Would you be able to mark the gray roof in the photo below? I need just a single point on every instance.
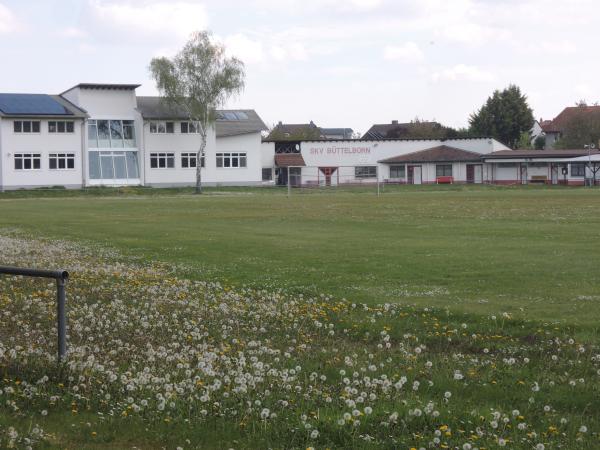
(153, 108)
(38, 105)
(346, 132)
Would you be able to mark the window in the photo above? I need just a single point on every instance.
(443, 170)
(61, 161)
(267, 174)
(188, 160)
(189, 127)
(61, 126)
(26, 126)
(111, 133)
(397, 171)
(162, 127)
(108, 165)
(28, 161)
(578, 170)
(162, 160)
(231, 160)
(365, 172)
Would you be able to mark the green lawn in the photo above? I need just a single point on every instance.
(471, 319)
(529, 251)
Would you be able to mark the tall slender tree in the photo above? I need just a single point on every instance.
(504, 116)
(197, 81)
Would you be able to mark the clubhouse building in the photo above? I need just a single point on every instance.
(106, 135)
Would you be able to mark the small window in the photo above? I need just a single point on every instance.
(184, 127)
(443, 170)
(578, 170)
(28, 161)
(267, 174)
(162, 160)
(162, 127)
(231, 160)
(61, 161)
(365, 172)
(397, 171)
(188, 160)
(26, 126)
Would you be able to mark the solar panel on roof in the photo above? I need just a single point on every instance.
(30, 104)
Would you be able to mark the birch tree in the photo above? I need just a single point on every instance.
(197, 81)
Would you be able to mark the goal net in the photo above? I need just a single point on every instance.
(312, 178)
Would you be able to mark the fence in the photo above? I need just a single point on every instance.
(61, 277)
(312, 178)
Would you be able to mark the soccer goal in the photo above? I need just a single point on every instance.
(306, 179)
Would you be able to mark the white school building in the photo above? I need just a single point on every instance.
(106, 135)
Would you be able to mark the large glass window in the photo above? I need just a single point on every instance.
(103, 134)
(443, 170)
(231, 160)
(365, 172)
(111, 133)
(116, 133)
(397, 171)
(162, 160)
(61, 161)
(128, 133)
(119, 165)
(28, 161)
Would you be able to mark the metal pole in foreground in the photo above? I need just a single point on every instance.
(288, 180)
(61, 317)
(61, 277)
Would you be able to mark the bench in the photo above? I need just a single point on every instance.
(539, 179)
(444, 180)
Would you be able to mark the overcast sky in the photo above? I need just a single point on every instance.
(340, 63)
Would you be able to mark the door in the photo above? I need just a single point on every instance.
(478, 173)
(554, 173)
(470, 173)
(414, 174)
(523, 171)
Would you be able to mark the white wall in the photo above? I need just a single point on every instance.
(43, 143)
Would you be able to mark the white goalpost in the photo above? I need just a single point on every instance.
(305, 179)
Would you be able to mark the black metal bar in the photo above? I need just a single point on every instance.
(61, 277)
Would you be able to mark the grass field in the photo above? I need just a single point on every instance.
(471, 319)
(472, 249)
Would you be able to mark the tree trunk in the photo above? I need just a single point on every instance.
(199, 164)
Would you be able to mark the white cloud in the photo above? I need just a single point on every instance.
(407, 53)
(154, 18)
(248, 50)
(8, 21)
(73, 33)
(462, 72)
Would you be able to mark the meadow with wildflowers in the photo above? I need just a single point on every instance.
(163, 354)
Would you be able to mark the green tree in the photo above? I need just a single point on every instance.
(539, 143)
(298, 133)
(504, 116)
(198, 80)
(582, 129)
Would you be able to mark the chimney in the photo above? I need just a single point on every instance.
(280, 123)
(394, 122)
